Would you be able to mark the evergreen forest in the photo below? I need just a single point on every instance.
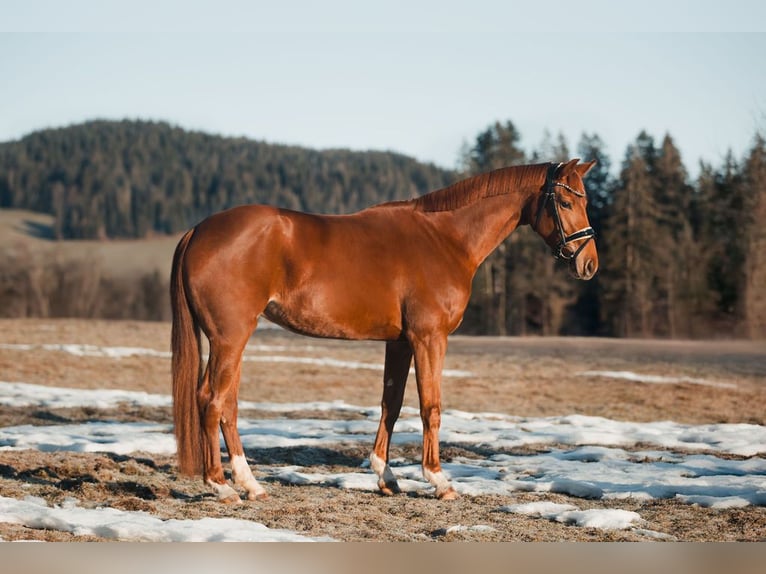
(679, 257)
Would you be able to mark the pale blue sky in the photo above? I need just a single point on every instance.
(418, 78)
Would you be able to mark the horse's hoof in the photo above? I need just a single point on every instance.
(225, 492)
(449, 494)
(389, 488)
(232, 499)
(258, 496)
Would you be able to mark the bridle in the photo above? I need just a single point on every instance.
(549, 196)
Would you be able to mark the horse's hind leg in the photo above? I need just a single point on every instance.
(219, 388)
(240, 470)
(397, 367)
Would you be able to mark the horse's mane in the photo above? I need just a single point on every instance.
(468, 191)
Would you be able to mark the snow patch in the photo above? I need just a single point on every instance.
(656, 379)
(592, 463)
(80, 350)
(591, 460)
(114, 524)
(604, 519)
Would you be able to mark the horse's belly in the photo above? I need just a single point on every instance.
(336, 320)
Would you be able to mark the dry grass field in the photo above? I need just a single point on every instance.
(529, 377)
(31, 234)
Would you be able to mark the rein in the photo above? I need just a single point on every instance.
(549, 195)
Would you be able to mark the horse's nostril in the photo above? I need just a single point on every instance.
(589, 268)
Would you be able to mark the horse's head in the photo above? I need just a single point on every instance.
(561, 218)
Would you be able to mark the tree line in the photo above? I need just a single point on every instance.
(133, 179)
(36, 283)
(678, 258)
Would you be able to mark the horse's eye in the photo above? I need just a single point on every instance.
(565, 204)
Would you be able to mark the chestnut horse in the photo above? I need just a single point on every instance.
(398, 272)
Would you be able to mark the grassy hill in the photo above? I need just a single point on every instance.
(29, 234)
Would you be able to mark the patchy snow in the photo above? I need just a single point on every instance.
(588, 461)
(656, 379)
(337, 363)
(90, 437)
(542, 509)
(81, 350)
(720, 502)
(478, 429)
(112, 523)
(699, 479)
(26, 395)
(605, 519)
(585, 457)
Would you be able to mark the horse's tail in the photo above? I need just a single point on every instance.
(187, 366)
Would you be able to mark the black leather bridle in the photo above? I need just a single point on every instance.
(549, 197)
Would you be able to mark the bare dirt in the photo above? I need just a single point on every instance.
(523, 377)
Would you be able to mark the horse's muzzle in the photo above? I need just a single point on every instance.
(584, 269)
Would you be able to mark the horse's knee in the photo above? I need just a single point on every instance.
(431, 417)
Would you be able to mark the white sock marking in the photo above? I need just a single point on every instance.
(224, 491)
(438, 479)
(243, 476)
(381, 468)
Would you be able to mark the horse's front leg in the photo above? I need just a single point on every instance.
(429, 351)
(397, 367)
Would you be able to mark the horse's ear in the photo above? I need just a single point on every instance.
(584, 168)
(567, 168)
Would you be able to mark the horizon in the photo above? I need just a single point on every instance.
(616, 161)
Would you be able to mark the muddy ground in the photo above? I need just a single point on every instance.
(523, 377)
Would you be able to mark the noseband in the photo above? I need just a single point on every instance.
(549, 196)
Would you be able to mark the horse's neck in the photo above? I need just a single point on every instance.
(484, 224)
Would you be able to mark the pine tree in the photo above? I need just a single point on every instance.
(585, 316)
(496, 147)
(703, 299)
(630, 257)
(753, 291)
(675, 261)
(539, 286)
(599, 184)
(722, 239)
